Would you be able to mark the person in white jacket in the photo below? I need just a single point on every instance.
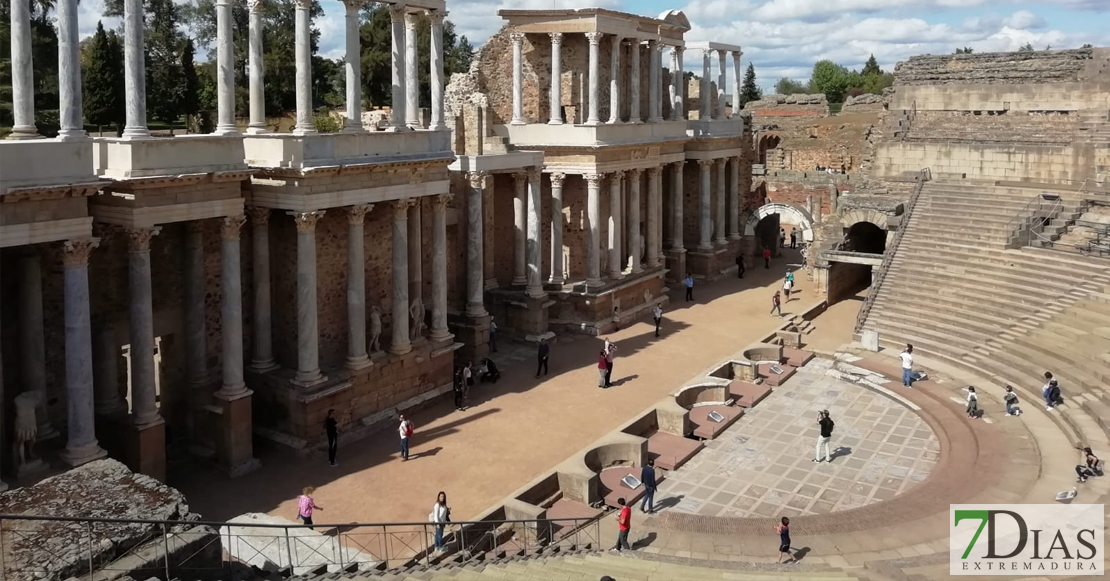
(972, 404)
(440, 516)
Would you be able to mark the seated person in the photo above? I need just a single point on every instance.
(1090, 466)
(487, 371)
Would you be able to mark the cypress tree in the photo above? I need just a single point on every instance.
(749, 91)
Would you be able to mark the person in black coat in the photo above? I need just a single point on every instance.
(647, 477)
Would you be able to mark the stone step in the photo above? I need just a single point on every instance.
(1018, 297)
(1008, 277)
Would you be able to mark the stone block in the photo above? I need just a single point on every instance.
(870, 339)
(146, 450)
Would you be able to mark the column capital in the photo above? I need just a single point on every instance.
(658, 46)
(557, 179)
(635, 173)
(594, 37)
(519, 178)
(303, 4)
(401, 208)
(593, 179)
(516, 37)
(616, 176)
(440, 201)
(396, 11)
(138, 239)
(195, 226)
(720, 161)
(254, 5)
(678, 165)
(351, 4)
(258, 215)
(436, 16)
(705, 163)
(556, 37)
(736, 54)
(533, 173)
(230, 226)
(654, 172)
(678, 50)
(306, 221)
(477, 179)
(356, 215)
(77, 251)
(411, 19)
(617, 39)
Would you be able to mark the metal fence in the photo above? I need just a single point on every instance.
(55, 548)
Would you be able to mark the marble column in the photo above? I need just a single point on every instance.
(356, 287)
(676, 78)
(32, 338)
(475, 253)
(706, 109)
(634, 175)
(634, 89)
(678, 225)
(225, 71)
(134, 73)
(556, 117)
(439, 332)
(263, 357)
(616, 180)
(535, 235)
(23, 83)
(719, 209)
(736, 84)
(196, 336)
(303, 52)
(108, 401)
(655, 102)
(436, 18)
(615, 81)
(256, 72)
(654, 213)
(144, 399)
(81, 444)
(308, 328)
(721, 84)
(412, 78)
(705, 238)
(734, 199)
(231, 307)
(70, 110)
(416, 256)
(557, 276)
(3, 485)
(517, 39)
(401, 342)
(353, 66)
(397, 41)
(595, 73)
(593, 230)
(679, 111)
(520, 226)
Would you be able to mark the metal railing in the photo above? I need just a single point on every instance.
(1031, 219)
(923, 176)
(36, 548)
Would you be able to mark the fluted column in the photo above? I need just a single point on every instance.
(719, 210)
(517, 39)
(263, 358)
(655, 102)
(357, 357)
(196, 336)
(736, 83)
(401, 343)
(436, 18)
(634, 90)
(308, 329)
(81, 444)
(520, 225)
(439, 330)
(616, 180)
(416, 256)
(557, 276)
(593, 230)
(70, 110)
(475, 255)
(144, 399)
(594, 39)
(353, 66)
(679, 111)
(397, 41)
(653, 224)
(734, 200)
(412, 78)
(257, 72)
(303, 48)
(721, 84)
(634, 249)
(672, 87)
(677, 206)
(225, 71)
(33, 338)
(706, 101)
(108, 401)
(23, 83)
(134, 71)
(535, 235)
(705, 238)
(556, 78)
(615, 81)
(231, 307)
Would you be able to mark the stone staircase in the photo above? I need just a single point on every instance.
(1094, 125)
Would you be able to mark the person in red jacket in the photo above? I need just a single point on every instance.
(602, 368)
(624, 523)
(766, 257)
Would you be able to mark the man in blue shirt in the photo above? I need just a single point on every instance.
(647, 476)
(688, 282)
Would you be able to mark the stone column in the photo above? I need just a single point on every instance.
(108, 401)
(134, 74)
(32, 339)
(225, 71)
(436, 18)
(677, 202)
(634, 220)
(615, 81)
(353, 66)
(721, 84)
(475, 254)
(705, 239)
(655, 103)
(734, 200)
(263, 358)
(653, 224)
(401, 343)
(257, 73)
(81, 444)
(593, 229)
(556, 78)
(196, 336)
(356, 287)
(535, 235)
(416, 256)
(71, 111)
(397, 108)
(303, 48)
(412, 78)
(719, 210)
(144, 404)
(520, 225)
(706, 102)
(680, 85)
(517, 39)
(557, 277)
(634, 89)
(439, 330)
(231, 307)
(23, 83)
(3, 485)
(308, 329)
(616, 180)
(672, 88)
(594, 38)
(736, 84)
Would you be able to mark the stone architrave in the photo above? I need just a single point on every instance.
(633, 228)
(401, 343)
(308, 329)
(594, 39)
(557, 275)
(520, 225)
(263, 358)
(357, 358)
(475, 256)
(231, 307)
(439, 332)
(705, 239)
(144, 403)
(593, 230)
(81, 444)
(517, 39)
(257, 72)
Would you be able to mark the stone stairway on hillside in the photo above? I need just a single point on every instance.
(1095, 125)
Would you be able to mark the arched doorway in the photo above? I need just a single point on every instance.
(864, 237)
(764, 223)
(765, 142)
(855, 259)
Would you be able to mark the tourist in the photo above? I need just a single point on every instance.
(305, 505)
(793, 239)
(907, 366)
(688, 282)
(972, 403)
(440, 516)
(541, 354)
(331, 427)
(1089, 467)
(616, 319)
(459, 387)
(1054, 394)
(647, 477)
(467, 376)
(610, 355)
(657, 314)
(784, 540)
(786, 286)
(766, 257)
(782, 238)
(1011, 400)
(487, 371)
(805, 257)
(405, 430)
(825, 424)
(602, 369)
(624, 523)
(776, 304)
(740, 266)
(492, 335)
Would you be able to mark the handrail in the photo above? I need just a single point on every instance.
(1026, 234)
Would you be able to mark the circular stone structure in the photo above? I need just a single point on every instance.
(762, 466)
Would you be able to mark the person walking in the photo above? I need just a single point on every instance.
(331, 427)
(786, 286)
(657, 314)
(972, 403)
(459, 385)
(782, 238)
(1088, 467)
(776, 304)
(492, 335)
(766, 257)
(793, 239)
(467, 377)
(1011, 400)
(740, 268)
(688, 282)
(439, 517)
(541, 354)
(825, 424)
(405, 430)
(610, 355)
(602, 369)
(624, 524)
(907, 366)
(783, 529)
(805, 257)
(305, 505)
(647, 477)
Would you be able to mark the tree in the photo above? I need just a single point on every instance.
(749, 91)
(833, 80)
(190, 98)
(103, 80)
(964, 50)
(787, 86)
(165, 92)
(1087, 45)
(1027, 47)
(871, 67)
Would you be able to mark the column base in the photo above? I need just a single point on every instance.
(351, 126)
(74, 457)
(226, 130)
(115, 409)
(535, 292)
(734, 236)
(593, 282)
(299, 130)
(491, 283)
(521, 281)
(146, 449)
(134, 133)
(655, 120)
(232, 391)
(397, 128)
(234, 443)
(263, 366)
(402, 349)
(555, 122)
(72, 135)
(253, 129)
(438, 127)
(440, 335)
(592, 122)
(517, 122)
(24, 132)
(476, 311)
(308, 380)
(358, 362)
(557, 281)
(46, 431)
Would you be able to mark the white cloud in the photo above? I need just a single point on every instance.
(1024, 19)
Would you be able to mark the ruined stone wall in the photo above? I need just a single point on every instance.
(798, 194)
(1041, 66)
(1005, 126)
(986, 160)
(845, 280)
(867, 102)
(1032, 97)
(788, 106)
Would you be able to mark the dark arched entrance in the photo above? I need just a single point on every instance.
(864, 237)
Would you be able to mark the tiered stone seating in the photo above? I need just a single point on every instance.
(1007, 128)
(1040, 66)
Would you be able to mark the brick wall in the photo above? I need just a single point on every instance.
(796, 195)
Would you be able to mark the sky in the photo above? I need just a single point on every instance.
(783, 38)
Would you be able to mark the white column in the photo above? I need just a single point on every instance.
(353, 67)
(615, 189)
(3, 485)
(677, 206)
(23, 84)
(475, 254)
(615, 81)
(144, 399)
(436, 18)
(401, 343)
(655, 114)
(634, 220)
(705, 232)
(520, 225)
(654, 213)
(672, 87)
(706, 102)
(721, 84)
(439, 330)
(71, 112)
(397, 107)
(257, 72)
(262, 340)
(734, 200)
(680, 93)
(412, 78)
(303, 47)
(225, 71)
(557, 276)
(356, 286)
(556, 78)
(634, 89)
(308, 327)
(719, 211)
(231, 307)
(595, 72)
(81, 444)
(535, 235)
(517, 39)
(736, 84)
(33, 338)
(416, 256)
(593, 229)
(134, 73)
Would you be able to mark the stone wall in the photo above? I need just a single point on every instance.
(1072, 96)
(1040, 66)
(798, 194)
(986, 161)
(866, 102)
(845, 280)
(1000, 126)
(799, 105)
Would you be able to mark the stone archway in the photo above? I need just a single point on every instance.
(764, 142)
(797, 216)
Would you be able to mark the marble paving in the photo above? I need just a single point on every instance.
(762, 465)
